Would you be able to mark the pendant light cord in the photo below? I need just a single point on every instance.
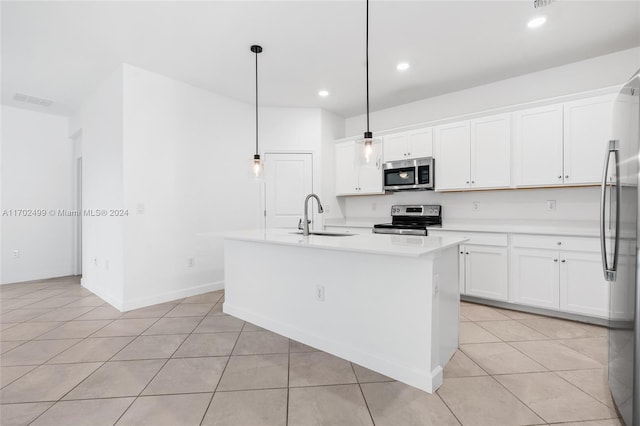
(257, 102)
(367, 62)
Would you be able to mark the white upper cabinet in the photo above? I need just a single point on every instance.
(491, 151)
(408, 145)
(452, 155)
(354, 175)
(474, 154)
(538, 146)
(588, 125)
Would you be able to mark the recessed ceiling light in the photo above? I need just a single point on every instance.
(402, 66)
(537, 22)
(323, 93)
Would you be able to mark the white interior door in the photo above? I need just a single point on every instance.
(288, 180)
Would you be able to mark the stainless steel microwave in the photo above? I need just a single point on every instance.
(404, 175)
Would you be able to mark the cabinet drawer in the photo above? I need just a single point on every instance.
(476, 238)
(588, 244)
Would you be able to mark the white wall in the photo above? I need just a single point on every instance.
(36, 174)
(187, 153)
(603, 71)
(102, 188)
(572, 203)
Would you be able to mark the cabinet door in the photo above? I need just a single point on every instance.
(346, 173)
(369, 173)
(461, 269)
(535, 277)
(588, 127)
(395, 147)
(486, 272)
(491, 152)
(452, 154)
(583, 289)
(420, 143)
(538, 146)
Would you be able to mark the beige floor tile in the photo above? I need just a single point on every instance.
(74, 330)
(166, 410)
(7, 346)
(214, 344)
(125, 327)
(556, 356)
(187, 375)
(217, 310)
(395, 404)
(94, 412)
(217, 324)
(593, 382)
(28, 330)
(560, 329)
(319, 368)
(299, 347)
(500, 358)
(481, 313)
(155, 311)
(512, 331)
(182, 325)
(116, 378)
(593, 347)
(64, 314)
(101, 313)
(20, 315)
(151, 347)
(608, 422)
(91, 300)
(364, 375)
(255, 372)
(553, 399)
(242, 408)
(463, 318)
(11, 374)
(261, 342)
(54, 302)
(470, 332)
(461, 365)
(46, 383)
(252, 327)
(482, 401)
(328, 405)
(517, 315)
(211, 297)
(190, 310)
(36, 352)
(92, 350)
(21, 414)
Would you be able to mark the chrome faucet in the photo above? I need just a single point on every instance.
(304, 223)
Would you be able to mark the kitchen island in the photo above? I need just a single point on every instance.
(387, 302)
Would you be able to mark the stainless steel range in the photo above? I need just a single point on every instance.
(413, 219)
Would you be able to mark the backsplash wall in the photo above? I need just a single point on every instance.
(571, 204)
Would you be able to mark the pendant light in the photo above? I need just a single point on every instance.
(257, 162)
(368, 135)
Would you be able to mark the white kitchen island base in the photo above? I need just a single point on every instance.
(388, 303)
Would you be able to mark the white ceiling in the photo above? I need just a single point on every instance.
(62, 50)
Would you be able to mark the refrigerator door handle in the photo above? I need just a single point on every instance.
(610, 270)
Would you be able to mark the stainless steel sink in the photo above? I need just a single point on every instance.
(325, 233)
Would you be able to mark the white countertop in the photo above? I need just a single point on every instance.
(395, 245)
(544, 227)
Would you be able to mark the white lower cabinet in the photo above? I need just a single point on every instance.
(556, 272)
(485, 271)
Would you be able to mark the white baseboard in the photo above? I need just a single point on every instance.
(143, 302)
(426, 381)
(38, 277)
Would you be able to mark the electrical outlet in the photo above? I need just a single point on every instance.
(476, 206)
(551, 205)
(191, 262)
(15, 254)
(320, 293)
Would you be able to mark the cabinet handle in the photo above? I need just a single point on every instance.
(467, 253)
(560, 177)
(555, 260)
(564, 260)
(408, 153)
(559, 243)
(566, 177)
(467, 181)
(461, 252)
(473, 181)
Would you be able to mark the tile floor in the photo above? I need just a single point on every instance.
(67, 358)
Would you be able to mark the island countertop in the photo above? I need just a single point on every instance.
(395, 245)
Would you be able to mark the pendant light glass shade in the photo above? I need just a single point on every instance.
(257, 167)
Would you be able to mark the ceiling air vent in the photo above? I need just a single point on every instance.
(20, 97)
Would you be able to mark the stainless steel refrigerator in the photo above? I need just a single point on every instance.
(619, 239)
